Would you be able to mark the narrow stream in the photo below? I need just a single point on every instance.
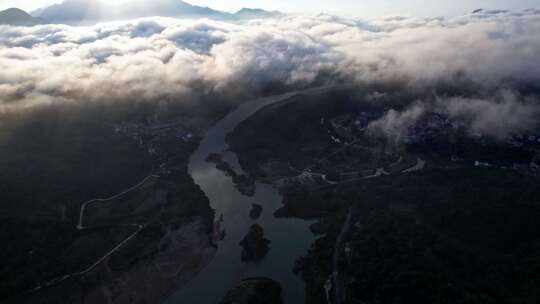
(290, 238)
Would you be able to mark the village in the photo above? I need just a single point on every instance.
(350, 129)
(161, 141)
(357, 155)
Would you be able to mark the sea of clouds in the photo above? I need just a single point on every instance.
(494, 52)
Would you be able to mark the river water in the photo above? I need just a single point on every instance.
(290, 238)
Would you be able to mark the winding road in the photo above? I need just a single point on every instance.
(81, 227)
(337, 249)
(103, 200)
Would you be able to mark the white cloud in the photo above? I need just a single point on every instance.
(505, 114)
(162, 57)
(394, 125)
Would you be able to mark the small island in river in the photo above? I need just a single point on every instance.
(256, 211)
(255, 245)
(254, 291)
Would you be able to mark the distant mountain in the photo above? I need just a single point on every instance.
(171, 8)
(15, 16)
(70, 11)
(255, 13)
(489, 12)
(88, 11)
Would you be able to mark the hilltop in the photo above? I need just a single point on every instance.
(18, 17)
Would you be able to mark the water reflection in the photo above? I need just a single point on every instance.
(290, 238)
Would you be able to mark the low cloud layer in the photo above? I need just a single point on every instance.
(394, 125)
(168, 58)
(498, 115)
(505, 114)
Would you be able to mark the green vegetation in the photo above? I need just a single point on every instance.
(439, 236)
(452, 233)
(289, 131)
(52, 159)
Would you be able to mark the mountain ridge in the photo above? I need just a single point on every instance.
(84, 11)
(18, 17)
(249, 13)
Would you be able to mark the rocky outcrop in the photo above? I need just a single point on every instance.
(255, 244)
(254, 291)
(256, 211)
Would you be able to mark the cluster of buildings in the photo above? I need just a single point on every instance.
(349, 126)
(431, 125)
(144, 131)
(523, 140)
(156, 138)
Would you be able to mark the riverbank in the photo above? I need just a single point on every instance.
(290, 238)
(421, 216)
(69, 247)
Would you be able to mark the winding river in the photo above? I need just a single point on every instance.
(290, 238)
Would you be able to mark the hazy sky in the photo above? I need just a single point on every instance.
(342, 7)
